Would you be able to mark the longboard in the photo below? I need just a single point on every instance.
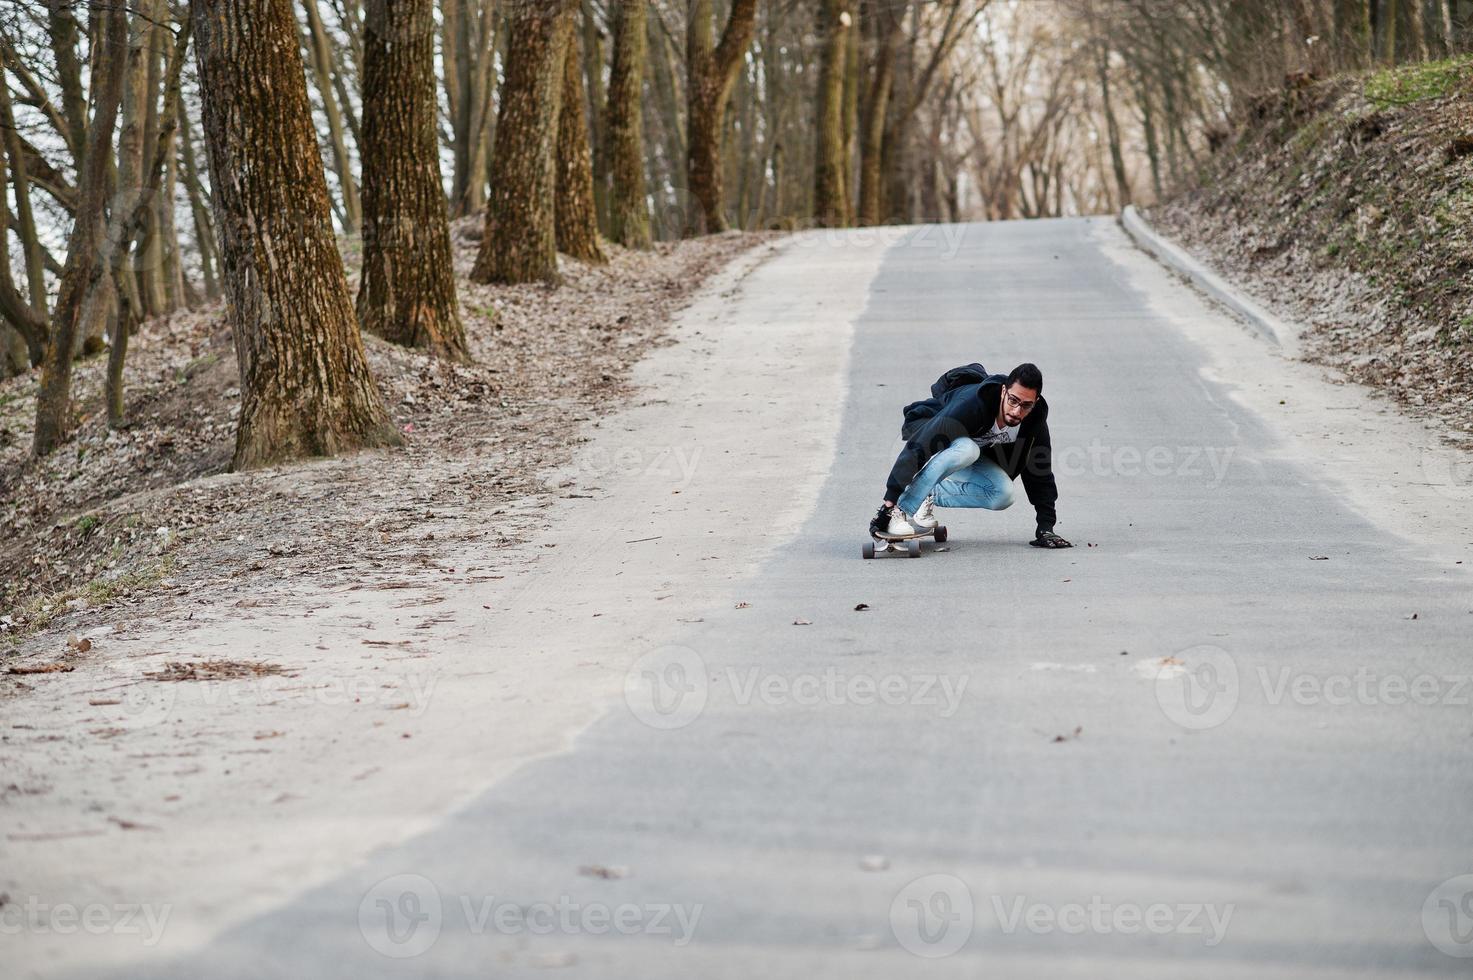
(910, 544)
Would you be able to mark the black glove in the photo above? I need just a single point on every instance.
(1048, 539)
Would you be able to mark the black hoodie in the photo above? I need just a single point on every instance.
(970, 410)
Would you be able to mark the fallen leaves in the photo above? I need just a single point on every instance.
(56, 667)
(802, 622)
(861, 607)
(213, 670)
(1078, 731)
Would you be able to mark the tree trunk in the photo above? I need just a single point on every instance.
(467, 51)
(149, 265)
(1387, 16)
(1353, 33)
(830, 197)
(593, 70)
(851, 110)
(123, 224)
(711, 72)
(305, 387)
(26, 221)
(576, 212)
(629, 212)
(1413, 31)
(17, 318)
(670, 210)
(53, 400)
(62, 27)
(520, 242)
(1112, 128)
(407, 294)
(204, 229)
(876, 111)
(322, 72)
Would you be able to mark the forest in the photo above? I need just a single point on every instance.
(160, 156)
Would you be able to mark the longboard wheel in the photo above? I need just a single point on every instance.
(940, 533)
(913, 548)
(868, 551)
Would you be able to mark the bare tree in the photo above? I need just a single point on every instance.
(53, 400)
(520, 241)
(576, 213)
(468, 52)
(711, 70)
(830, 173)
(407, 293)
(305, 386)
(629, 212)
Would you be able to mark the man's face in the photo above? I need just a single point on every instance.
(1015, 404)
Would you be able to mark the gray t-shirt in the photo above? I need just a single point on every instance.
(997, 436)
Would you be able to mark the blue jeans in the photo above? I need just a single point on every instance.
(959, 477)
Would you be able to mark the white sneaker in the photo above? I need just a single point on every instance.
(900, 523)
(925, 515)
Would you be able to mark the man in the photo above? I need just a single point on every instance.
(966, 445)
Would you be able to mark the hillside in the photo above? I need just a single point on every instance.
(1347, 205)
(121, 515)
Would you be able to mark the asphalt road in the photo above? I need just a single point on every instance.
(1210, 741)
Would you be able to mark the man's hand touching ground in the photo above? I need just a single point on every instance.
(1048, 539)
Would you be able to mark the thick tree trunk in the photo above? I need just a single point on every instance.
(520, 242)
(576, 212)
(830, 196)
(305, 386)
(629, 213)
(53, 400)
(407, 295)
(711, 72)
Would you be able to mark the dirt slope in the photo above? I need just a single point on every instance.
(1347, 205)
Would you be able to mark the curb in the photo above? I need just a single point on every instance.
(1171, 255)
